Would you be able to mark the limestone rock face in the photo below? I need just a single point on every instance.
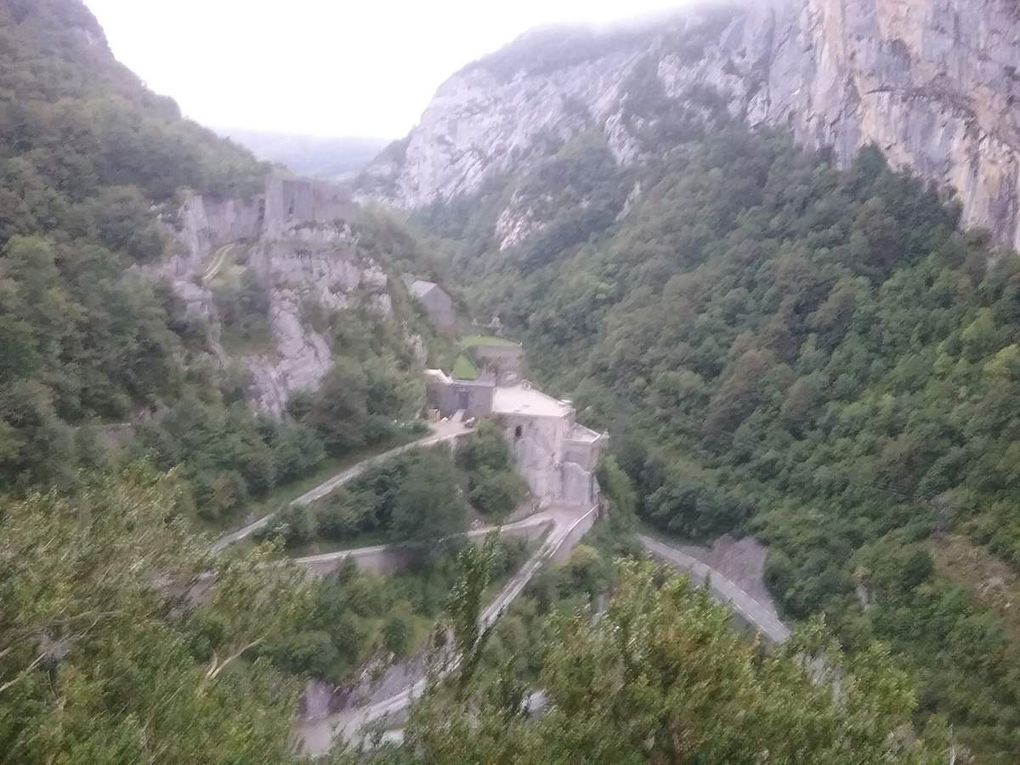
(934, 83)
(311, 267)
(298, 242)
(518, 220)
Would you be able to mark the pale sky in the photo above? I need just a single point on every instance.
(321, 67)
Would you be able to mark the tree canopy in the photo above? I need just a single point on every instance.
(116, 645)
(661, 677)
(784, 347)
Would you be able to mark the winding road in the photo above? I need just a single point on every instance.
(567, 526)
(530, 528)
(441, 432)
(216, 262)
(758, 615)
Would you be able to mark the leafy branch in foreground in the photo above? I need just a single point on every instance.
(661, 677)
(121, 641)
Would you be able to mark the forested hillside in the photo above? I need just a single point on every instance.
(122, 639)
(93, 166)
(85, 153)
(779, 347)
(782, 348)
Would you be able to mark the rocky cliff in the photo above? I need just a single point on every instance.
(934, 83)
(297, 240)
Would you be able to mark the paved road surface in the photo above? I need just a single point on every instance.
(317, 735)
(760, 616)
(441, 432)
(216, 262)
(553, 516)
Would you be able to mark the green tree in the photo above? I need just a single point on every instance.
(118, 647)
(496, 493)
(339, 409)
(661, 677)
(429, 504)
(397, 633)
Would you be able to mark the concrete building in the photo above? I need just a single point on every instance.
(555, 455)
(473, 397)
(437, 304)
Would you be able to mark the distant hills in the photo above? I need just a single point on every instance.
(327, 158)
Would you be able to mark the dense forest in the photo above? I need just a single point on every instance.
(109, 650)
(780, 347)
(91, 166)
(422, 496)
(85, 152)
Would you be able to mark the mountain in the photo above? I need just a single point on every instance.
(142, 266)
(155, 278)
(787, 339)
(933, 84)
(332, 159)
(730, 237)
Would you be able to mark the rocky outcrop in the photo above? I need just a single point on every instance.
(517, 221)
(934, 83)
(298, 241)
(308, 267)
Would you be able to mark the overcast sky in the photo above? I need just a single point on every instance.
(323, 67)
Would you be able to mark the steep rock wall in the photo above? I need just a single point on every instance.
(298, 241)
(934, 83)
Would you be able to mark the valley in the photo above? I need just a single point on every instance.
(654, 400)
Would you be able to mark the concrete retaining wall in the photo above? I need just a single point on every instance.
(387, 559)
(581, 527)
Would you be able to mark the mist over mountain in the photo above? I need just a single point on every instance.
(933, 84)
(334, 159)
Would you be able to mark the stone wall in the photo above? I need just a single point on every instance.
(450, 396)
(535, 443)
(296, 202)
(577, 485)
(387, 559)
(298, 241)
(584, 447)
(581, 527)
(555, 456)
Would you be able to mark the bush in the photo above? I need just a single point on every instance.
(344, 514)
(496, 494)
(293, 525)
(306, 653)
(397, 634)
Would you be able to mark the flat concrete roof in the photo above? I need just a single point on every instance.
(420, 288)
(581, 433)
(518, 399)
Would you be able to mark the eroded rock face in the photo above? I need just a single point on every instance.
(307, 267)
(934, 83)
(297, 240)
